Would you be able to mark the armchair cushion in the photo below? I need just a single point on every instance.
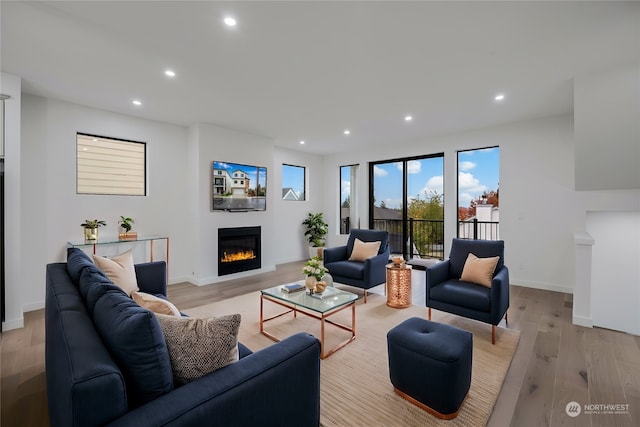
(463, 294)
(352, 269)
(479, 270)
(363, 250)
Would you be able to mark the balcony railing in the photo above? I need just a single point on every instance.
(479, 230)
(426, 236)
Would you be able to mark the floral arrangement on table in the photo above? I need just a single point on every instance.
(314, 268)
(315, 271)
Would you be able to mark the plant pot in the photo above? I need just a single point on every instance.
(91, 234)
(128, 235)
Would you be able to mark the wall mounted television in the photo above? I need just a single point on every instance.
(237, 187)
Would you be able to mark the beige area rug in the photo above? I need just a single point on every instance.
(355, 385)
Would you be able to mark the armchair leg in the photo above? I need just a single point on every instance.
(506, 318)
(493, 334)
(365, 296)
(429, 313)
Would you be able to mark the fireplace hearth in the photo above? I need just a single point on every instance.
(238, 249)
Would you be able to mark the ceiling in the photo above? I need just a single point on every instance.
(308, 70)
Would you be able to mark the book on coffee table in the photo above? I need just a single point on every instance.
(293, 287)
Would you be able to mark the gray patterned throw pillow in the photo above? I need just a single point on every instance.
(200, 346)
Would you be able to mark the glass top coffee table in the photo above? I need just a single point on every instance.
(332, 301)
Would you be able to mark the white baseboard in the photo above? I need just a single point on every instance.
(175, 280)
(12, 324)
(543, 286)
(582, 321)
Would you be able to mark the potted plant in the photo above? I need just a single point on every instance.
(316, 231)
(126, 224)
(91, 229)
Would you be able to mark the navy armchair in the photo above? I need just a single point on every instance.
(446, 292)
(367, 274)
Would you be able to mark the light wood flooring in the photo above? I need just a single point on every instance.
(555, 363)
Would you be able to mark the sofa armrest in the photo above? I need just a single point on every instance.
(338, 253)
(374, 268)
(152, 277)
(499, 295)
(276, 386)
(435, 275)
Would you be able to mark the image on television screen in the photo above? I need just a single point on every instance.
(238, 187)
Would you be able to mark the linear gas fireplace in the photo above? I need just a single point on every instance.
(238, 249)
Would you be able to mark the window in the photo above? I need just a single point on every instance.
(293, 183)
(110, 166)
(478, 194)
(348, 198)
(407, 200)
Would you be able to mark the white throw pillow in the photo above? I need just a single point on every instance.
(479, 270)
(155, 304)
(363, 250)
(198, 347)
(119, 270)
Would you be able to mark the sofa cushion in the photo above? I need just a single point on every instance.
(479, 270)
(363, 250)
(134, 337)
(462, 294)
(93, 285)
(156, 304)
(77, 260)
(120, 270)
(197, 346)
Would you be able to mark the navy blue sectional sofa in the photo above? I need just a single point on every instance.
(92, 328)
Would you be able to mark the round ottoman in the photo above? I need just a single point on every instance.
(430, 365)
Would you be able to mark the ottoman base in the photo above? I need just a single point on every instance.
(428, 409)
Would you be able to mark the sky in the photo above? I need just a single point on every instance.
(293, 177)
(477, 172)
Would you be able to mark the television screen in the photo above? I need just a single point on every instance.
(238, 187)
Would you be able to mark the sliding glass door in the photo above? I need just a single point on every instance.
(407, 200)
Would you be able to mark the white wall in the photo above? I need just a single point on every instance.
(616, 271)
(282, 239)
(607, 117)
(52, 211)
(290, 214)
(536, 173)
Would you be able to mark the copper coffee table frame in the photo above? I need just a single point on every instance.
(323, 317)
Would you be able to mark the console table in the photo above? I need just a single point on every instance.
(150, 239)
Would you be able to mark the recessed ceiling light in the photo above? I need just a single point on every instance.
(169, 73)
(499, 97)
(231, 22)
(301, 142)
(408, 118)
(136, 102)
(347, 132)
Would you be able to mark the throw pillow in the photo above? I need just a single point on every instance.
(155, 304)
(120, 270)
(135, 340)
(363, 250)
(479, 270)
(198, 347)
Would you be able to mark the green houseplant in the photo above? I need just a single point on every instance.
(316, 232)
(91, 228)
(126, 223)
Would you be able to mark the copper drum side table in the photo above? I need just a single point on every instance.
(398, 286)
